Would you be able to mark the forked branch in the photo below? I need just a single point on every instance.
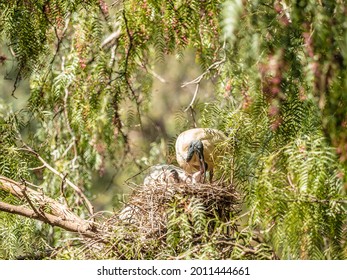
(89, 206)
(45, 209)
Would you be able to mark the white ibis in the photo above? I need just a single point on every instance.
(197, 149)
(158, 174)
(128, 214)
(165, 174)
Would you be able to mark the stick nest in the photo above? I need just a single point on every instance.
(165, 221)
(176, 221)
(149, 206)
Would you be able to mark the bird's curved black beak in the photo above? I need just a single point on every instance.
(198, 147)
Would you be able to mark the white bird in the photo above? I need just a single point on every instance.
(197, 149)
(166, 174)
(128, 214)
(158, 174)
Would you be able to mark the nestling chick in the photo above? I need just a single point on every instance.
(167, 174)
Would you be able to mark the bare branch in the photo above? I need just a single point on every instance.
(89, 206)
(194, 97)
(47, 218)
(197, 80)
(73, 137)
(59, 215)
(111, 40)
(37, 212)
(39, 198)
(37, 168)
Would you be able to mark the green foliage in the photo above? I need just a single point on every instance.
(20, 238)
(281, 158)
(172, 25)
(279, 76)
(27, 24)
(17, 167)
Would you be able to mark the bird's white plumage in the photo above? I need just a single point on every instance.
(166, 174)
(128, 214)
(160, 174)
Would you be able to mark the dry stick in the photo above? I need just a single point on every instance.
(111, 40)
(194, 97)
(90, 207)
(197, 80)
(156, 75)
(55, 207)
(37, 212)
(62, 187)
(26, 183)
(60, 215)
(193, 113)
(152, 72)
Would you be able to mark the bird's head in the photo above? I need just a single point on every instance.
(195, 146)
(174, 176)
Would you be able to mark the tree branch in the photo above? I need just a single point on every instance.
(197, 80)
(59, 214)
(39, 198)
(47, 218)
(89, 206)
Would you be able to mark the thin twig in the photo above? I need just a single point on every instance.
(194, 97)
(192, 111)
(37, 168)
(89, 206)
(198, 79)
(62, 187)
(29, 201)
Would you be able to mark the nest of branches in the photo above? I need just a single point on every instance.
(176, 221)
(149, 206)
(159, 221)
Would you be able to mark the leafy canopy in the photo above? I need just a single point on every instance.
(278, 70)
